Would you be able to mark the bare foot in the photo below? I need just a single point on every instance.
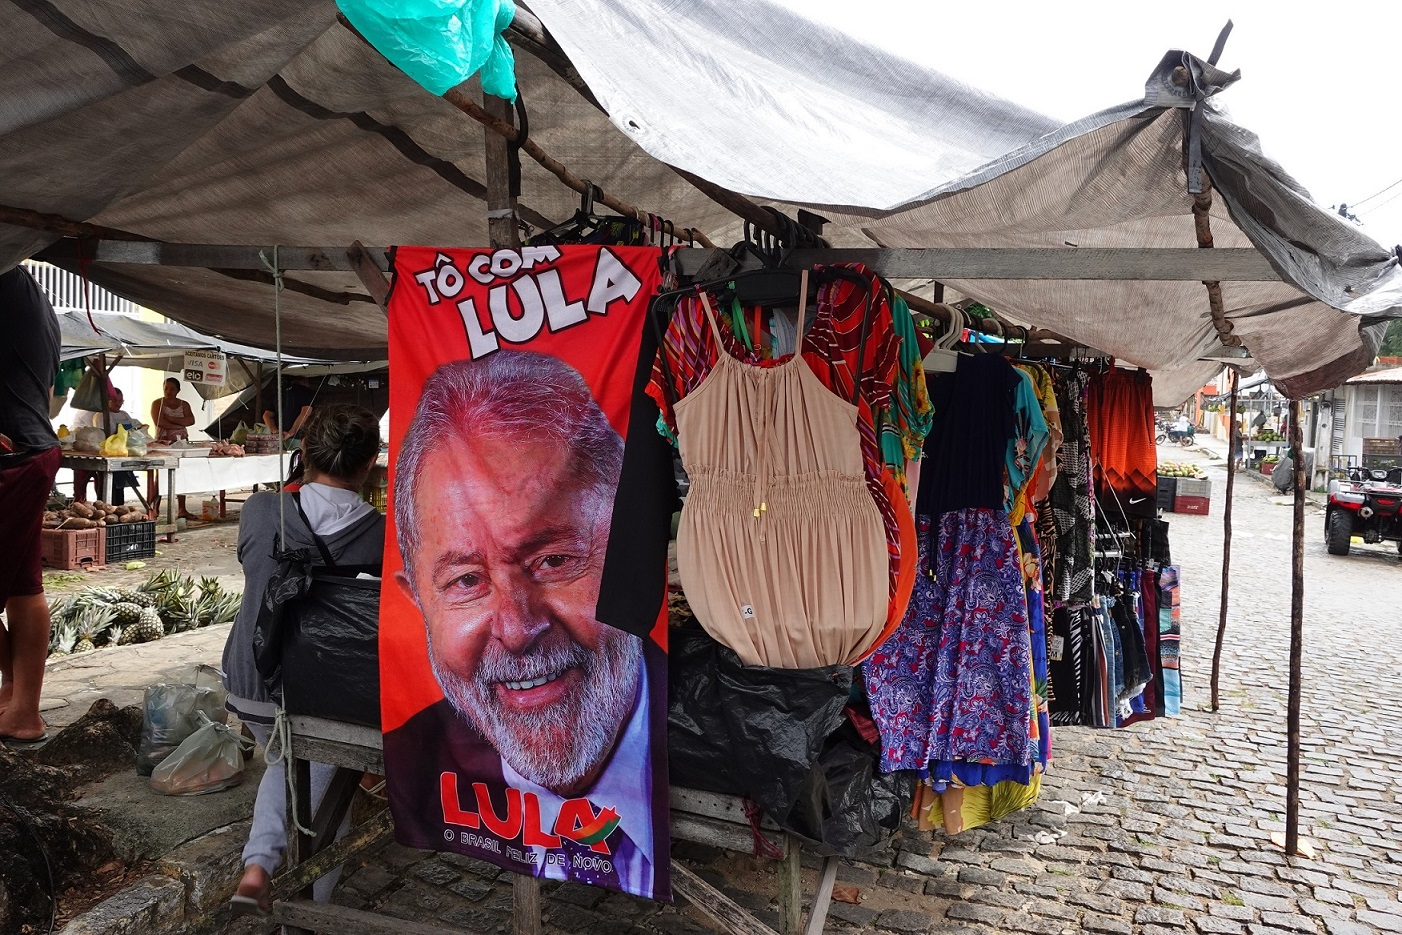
(21, 728)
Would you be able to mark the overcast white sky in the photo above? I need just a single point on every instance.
(1320, 82)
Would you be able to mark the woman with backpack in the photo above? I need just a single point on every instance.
(339, 448)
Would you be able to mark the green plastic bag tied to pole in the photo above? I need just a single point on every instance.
(441, 43)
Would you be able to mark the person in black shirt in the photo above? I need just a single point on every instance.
(297, 399)
(29, 458)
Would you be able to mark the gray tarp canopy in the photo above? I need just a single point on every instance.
(162, 347)
(264, 122)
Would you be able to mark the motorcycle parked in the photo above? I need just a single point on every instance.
(1172, 435)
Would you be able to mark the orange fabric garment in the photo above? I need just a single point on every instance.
(1120, 413)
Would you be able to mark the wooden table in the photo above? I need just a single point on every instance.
(703, 817)
(102, 469)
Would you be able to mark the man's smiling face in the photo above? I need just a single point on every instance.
(506, 573)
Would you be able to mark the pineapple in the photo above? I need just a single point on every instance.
(115, 636)
(127, 613)
(90, 623)
(62, 638)
(148, 627)
(226, 608)
(135, 596)
(104, 595)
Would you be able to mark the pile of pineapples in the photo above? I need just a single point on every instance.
(165, 603)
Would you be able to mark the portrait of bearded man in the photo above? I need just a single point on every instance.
(504, 491)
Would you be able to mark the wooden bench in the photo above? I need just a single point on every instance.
(701, 817)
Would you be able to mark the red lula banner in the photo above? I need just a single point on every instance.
(517, 728)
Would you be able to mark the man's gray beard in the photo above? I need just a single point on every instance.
(557, 746)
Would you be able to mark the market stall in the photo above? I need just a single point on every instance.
(997, 214)
(243, 376)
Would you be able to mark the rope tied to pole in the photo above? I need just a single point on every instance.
(273, 268)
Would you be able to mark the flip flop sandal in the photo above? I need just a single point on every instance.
(250, 906)
(22, 742)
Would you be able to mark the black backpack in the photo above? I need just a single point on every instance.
(316, 640)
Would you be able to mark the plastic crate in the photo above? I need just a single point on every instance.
(127, 542)
(1194, 487)
(1168, 489)
(1192, 505)
(67, 549)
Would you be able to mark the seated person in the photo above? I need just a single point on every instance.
(107, 421)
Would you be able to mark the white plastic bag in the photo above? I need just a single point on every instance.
(137, 442)
(209, 760)
(172, 712)
(89, 439)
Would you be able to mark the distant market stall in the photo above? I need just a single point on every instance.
(107, 340)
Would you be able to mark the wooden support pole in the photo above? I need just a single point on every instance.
(1202, 226)
(525, 905)
(791, 888)
(503, 230)
(1297, 639)
(58, 224)
(1232, 443)
(460, 99)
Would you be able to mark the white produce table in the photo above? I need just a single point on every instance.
(208, 475)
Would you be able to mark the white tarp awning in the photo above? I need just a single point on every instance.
(158, 346)
(261, 122)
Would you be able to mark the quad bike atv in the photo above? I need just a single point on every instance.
(1367, 504)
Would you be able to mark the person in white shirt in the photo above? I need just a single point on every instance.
(107, 421)
(1182, 425)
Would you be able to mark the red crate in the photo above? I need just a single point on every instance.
(1197, 505)
(67, 549)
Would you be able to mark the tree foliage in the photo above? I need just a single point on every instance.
(1392, 340)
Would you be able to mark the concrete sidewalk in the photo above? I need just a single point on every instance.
(193, 842)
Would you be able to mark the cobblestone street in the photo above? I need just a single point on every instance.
(1163, 827)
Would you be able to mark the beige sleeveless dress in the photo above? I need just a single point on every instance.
(780, 546)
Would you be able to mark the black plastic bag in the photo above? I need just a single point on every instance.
(747, 730)
(848, 804)
(331, 650)
(288, 584)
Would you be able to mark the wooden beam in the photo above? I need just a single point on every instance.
(822, 898)
(58, 224)
(371, 276)
(503, 229)
(1239, 264)
(1080, 263)
(714, 904)
(360, 838)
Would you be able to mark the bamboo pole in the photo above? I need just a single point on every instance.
(460, 99)
(1226, 539)
(1297, 638)
(58, 224)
